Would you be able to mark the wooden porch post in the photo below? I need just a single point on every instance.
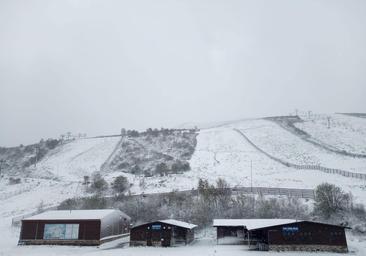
(36, 232)
(217, 235)
(249, 239)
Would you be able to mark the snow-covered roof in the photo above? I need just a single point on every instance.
(171, 222)
(251, 224)
(178, 223)
(73, 215)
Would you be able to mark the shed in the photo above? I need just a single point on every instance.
(162, 233)
(235, 230)
(288, 234)
(74, 227)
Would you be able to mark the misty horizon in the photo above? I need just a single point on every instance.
(98, 66)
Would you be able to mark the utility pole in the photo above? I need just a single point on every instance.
(35, 163)
(2, 161)
(328, 118)
(251, 176)
(251, 185)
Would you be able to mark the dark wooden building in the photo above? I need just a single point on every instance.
(162, 233)
(230, 231)
(287, 234)
(75, 227)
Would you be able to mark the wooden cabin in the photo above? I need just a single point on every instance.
(162, 233)
(74, 227)
(287, 234)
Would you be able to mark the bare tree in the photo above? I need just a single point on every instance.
(330, 199)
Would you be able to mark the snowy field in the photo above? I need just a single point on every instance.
(344, 133)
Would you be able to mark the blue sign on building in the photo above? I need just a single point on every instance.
(290, 229)
(156, 227)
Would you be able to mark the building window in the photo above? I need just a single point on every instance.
(61, 231)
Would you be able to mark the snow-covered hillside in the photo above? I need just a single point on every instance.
(340, 131)
(221, 152)
(286, 146)
(146, 153)
(76, 159)
(56, 177)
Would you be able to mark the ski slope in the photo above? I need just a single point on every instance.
(344, 132)
(284, 145)
(78, 158)
(221, 152)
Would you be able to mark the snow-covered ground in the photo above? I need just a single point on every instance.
(284, 145)
(205, 245)
(344, 132)
(223, 153)
(78, 158)
(64, 168)
(220, 152)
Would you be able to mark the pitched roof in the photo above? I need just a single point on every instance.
(251, 224)
(179, 223)
(171, 222)
(73, 215)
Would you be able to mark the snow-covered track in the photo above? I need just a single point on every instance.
(107, 162)
(359, 115)
(344, 173)
(287, 123)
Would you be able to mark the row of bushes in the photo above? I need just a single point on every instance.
(177, 167)
(98, 185)
(155, 132)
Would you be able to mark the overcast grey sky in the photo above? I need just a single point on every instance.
(96, 66)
